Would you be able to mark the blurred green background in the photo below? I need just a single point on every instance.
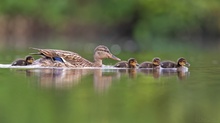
(130, 28)
(142, 29)
(142, 24)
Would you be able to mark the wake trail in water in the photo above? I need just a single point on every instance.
(104, 67)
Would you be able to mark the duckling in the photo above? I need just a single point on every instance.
(21, 62)
(154, 64)
(71, 59)
(171, 64)
(131, 63)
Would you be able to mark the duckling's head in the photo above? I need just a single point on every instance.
(182, 62)
(29, 60)
(156, 61)
(102, 52)
(132, 63)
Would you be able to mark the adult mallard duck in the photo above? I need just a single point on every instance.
(131, 63)
(61, 58)
(171, 64)
(23, 62)
(154, 64)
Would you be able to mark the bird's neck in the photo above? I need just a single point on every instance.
(178, 65)
(155, 66)
(97, 62)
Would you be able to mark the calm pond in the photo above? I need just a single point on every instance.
(109, 95)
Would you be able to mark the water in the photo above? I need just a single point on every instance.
(107, 95)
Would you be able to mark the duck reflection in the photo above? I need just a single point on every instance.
(66, 78)
(103, 79)
(132, 72)
(182, 75)
(152, 72)
(168, 72)
(59, 78)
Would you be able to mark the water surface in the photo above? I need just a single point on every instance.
(51, 95)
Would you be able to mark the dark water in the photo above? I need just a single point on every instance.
(111, 95)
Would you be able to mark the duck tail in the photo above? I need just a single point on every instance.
(35, 53)
(39, 53)
(34, 48)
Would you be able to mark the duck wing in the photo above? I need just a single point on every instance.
(168, 64)
(74, 58)
(122, 64)
(67, 56)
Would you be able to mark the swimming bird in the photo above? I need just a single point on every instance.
(62, 58)
(171, 64)
(131, 63)
(23, 62)
(154, 64)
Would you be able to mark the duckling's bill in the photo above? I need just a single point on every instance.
(187, 64)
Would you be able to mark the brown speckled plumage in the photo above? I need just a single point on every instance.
(171, 64)
(131, 63)
(154, 64)
(23, 62)
(71, 59)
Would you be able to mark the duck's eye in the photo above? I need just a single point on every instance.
(107, 51)
(104, 50)
(183, 61)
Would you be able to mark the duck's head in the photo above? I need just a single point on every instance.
(29, 60)
(132, 63)
(102, 52)
(156, 61)
(182, 62)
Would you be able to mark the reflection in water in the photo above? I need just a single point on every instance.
(182, 75)
(154, 72)
(58, 77)
(132, 72)
(64, 78)
(102, 78)
(157, 73)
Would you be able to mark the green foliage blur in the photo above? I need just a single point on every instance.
(142, 19)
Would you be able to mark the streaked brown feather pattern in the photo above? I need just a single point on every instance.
(71, 59)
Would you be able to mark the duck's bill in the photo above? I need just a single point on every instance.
(115, 58)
